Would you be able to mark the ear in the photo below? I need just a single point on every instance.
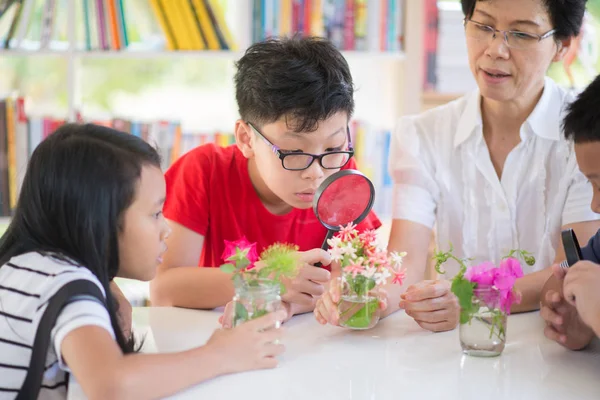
(564, 45)
(244, 138)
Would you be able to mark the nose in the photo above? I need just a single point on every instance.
(166, 231)
(314, 172)
(497, 47)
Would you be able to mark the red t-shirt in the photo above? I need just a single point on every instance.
(210, 192)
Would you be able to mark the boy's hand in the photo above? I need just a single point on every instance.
(310, 282)
(326, 310)
(432, 305)
(563, 324)
(580, 289)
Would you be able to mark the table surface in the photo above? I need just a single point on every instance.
(394, 360)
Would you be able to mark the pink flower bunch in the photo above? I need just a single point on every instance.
(489, 279)
(359, 255)
(236, 250)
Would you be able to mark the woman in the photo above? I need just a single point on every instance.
(491, 170)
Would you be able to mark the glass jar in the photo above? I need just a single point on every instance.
(359, 303)
(255, 299)
(484, 334)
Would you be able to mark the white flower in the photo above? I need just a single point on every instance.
(382, 277)
(397, 259)
(334, 242)
(370, 272)
(348, 249)
(337, 253)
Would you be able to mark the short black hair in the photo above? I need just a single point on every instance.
(582, 121)
(304, 79)
(566, 15)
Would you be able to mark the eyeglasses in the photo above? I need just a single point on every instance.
(301, 161)
(513, 39)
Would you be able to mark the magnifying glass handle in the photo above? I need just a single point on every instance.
(325, 246)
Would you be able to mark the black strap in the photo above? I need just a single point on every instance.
(35, 372)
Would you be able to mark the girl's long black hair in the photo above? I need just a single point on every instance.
(78, 184)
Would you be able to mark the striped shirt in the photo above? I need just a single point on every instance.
(26, 284)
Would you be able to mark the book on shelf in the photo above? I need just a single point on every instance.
(361, 25)
(446, 60)
(430, 42)
(371, 151)
(191, 25)
(114, 25)
(14, 151)
(452, 67)
(20, 134)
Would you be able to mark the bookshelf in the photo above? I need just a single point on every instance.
(201, 54)
(392, 63)
(389, 83)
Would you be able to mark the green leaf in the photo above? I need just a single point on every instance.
(264, 273)
(241, 264)
(238, 281)
(358, 285)
(259, 313)
(241, 314)
(227, 268)
(370, 284)
(465, 316)
(463, 290)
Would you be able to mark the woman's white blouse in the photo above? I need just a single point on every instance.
(443, 177)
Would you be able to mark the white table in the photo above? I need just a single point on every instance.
(395, 360)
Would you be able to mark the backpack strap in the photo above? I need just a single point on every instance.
(35, 373)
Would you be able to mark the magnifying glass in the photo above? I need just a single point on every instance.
(572, 248)
(343, 198)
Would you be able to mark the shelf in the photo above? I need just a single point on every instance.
(201, 54)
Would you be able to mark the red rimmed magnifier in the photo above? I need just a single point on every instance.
(343, 198)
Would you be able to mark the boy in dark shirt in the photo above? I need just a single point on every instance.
(572, 311)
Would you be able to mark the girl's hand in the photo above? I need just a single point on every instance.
(252, 345)
(226, 320)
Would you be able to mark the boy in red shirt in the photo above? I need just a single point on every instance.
(295, 99)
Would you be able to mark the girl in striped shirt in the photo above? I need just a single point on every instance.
(91, 208)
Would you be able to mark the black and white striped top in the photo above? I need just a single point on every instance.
(26, 284)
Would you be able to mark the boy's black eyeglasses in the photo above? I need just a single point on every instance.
(301, 161)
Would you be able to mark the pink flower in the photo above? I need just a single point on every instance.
(378, 258)
(399, 276)
(368, 238)
(348, 232)
(488, 295)
(507, 299)
(354, 269)
(482, 274)
(244, 245)
(512, 266)
(503, 280)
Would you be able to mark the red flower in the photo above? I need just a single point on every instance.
(249, 250)
(399, 277)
